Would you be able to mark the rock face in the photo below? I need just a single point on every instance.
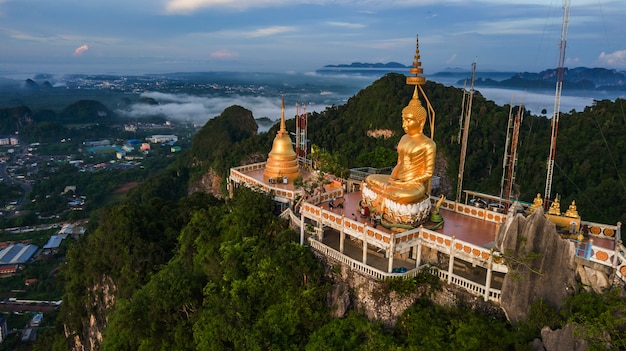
(209, 183)
(562, 339)
(596, 280)
(354, 291)
(541, 264)
(100, 301)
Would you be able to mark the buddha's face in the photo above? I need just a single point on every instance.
(411, 124)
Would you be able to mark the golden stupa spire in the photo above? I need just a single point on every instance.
(416, 79)
(282, 161)
(416, 69)
(283, 129)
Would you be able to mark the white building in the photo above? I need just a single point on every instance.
(162, 138)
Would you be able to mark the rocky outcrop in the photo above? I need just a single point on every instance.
(210, 183)
(354, 291)
(594, 279)
(541, 264)
(562, 339)
(101, 298)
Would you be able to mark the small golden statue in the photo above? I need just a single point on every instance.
(571, 211)
(555, 208)
(537, 203)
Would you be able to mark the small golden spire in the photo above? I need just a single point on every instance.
(416, 69)
(283, 129)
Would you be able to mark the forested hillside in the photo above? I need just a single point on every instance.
(590, 156)
(164, 270)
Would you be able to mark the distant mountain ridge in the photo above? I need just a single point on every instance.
(582, 78)
(363, 68)
(369, 65)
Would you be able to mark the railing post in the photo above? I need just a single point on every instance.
(418, 257)
(342, 235)
(301, 227)
(489, 272)
(451, 263)
(320, 225)
(588, 250)
(390, 253)
(617, 241)
(365, 245)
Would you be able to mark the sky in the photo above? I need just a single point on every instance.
(161, 36)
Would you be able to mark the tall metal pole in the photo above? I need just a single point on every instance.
(557, 102)
(465, 114)
(505, 158)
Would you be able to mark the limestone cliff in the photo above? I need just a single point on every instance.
(210, 183)
(100, 300)
(541, 264)
(354, 291)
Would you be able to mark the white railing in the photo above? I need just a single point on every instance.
(472, 287)
(472, 211)
(357, 265)
(600, 230)
(238, 177)
(349, 226)
(378, 238)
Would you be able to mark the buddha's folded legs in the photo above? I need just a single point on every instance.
(409, 193)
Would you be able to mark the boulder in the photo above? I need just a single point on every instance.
(562, 339)
(541, 264)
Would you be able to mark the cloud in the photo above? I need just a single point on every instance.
(81, 50)
(189, 6)
(616, 59)
(264, 32)
(223, 54)
(200, 109)
(346, 25)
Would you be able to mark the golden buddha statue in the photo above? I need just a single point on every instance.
(555, 207)
(572, 211)
(402, 197)
(537, 203)
(416, 160)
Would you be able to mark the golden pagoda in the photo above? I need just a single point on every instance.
(282, 162)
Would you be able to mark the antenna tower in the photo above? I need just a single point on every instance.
(557, 102)
(510, 158)
(301, 135)
(466, 113)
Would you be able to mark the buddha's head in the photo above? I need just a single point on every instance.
(414, 116)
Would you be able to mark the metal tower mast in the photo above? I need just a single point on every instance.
(301, 134)
(510, 159)
(466, 113)
(505, 159)
(557, 102)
